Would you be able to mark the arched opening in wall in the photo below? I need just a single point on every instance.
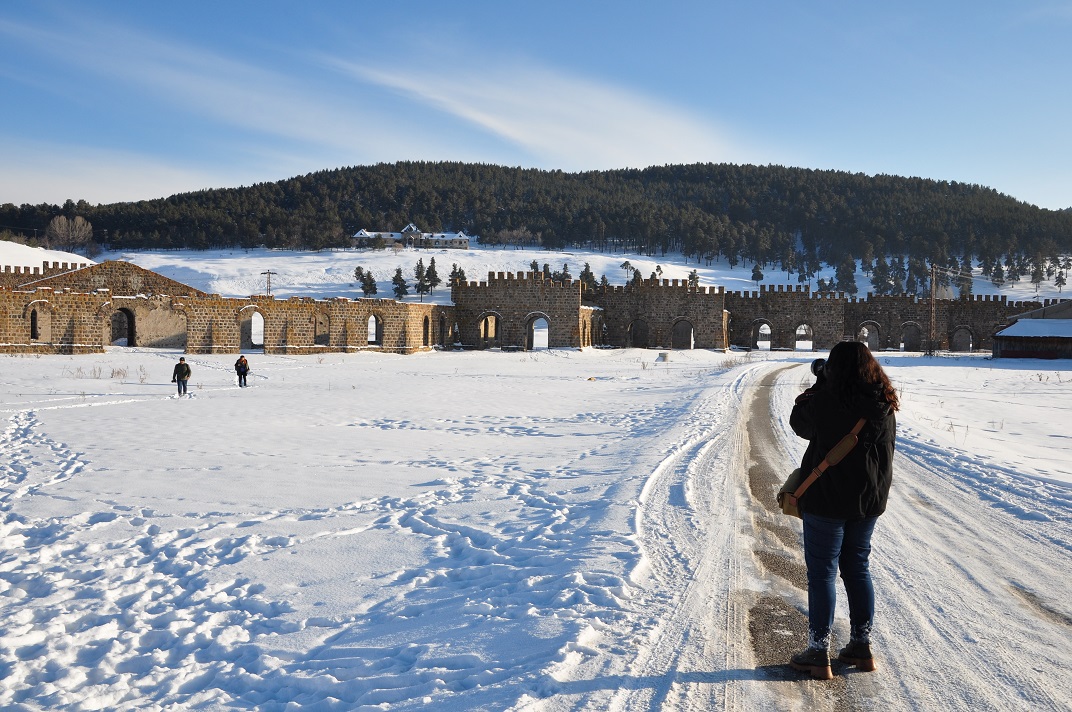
(683, 335)
(636, 336)
(256, 330)
(35, 332)
(489, 332)
(375, 331)
(962, 340)
(870, 335)
(426, 332)
(911, 337)
(805, 338)
(321, 329)
(444, 337)
(121, 328)
(537, 333)
(761, 336)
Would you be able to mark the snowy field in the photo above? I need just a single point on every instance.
(528, 531)
(546, 531)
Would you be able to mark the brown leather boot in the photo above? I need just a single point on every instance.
(815, 662)
(858, 654)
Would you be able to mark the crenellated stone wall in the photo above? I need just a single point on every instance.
(18, 275)
(81, 311)
(666, 314)
(123, 278)
(501, 312)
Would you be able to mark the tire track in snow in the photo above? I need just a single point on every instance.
(685, 617)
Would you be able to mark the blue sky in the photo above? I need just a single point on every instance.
(114, 101)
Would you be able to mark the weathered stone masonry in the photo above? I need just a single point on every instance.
(83, 310)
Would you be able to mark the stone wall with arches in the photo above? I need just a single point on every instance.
(509, 303)
(650, 314)
(302, 325)
(72, 313)
(49, 322)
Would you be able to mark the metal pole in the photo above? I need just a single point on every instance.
(930, 344)
(268, 274)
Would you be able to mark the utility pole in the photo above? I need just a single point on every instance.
(268, 274)
(930, 342)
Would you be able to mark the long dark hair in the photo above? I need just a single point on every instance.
(851, 370)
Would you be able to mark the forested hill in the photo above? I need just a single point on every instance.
(791, 217)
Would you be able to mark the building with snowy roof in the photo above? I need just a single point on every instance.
(1042, 333)
(411, 236)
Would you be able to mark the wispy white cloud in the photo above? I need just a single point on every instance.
(271, 123)
(562, 121)
(203, 84)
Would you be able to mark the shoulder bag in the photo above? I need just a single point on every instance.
(795, 486)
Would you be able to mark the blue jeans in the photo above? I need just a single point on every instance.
(829, 545)
(182, 386)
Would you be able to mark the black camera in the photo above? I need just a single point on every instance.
(817, 367)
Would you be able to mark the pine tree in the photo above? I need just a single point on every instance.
(1059, 280)
(400, 287)
(997, 275)
(846, 276)
(432, 276)
(457, 274)
(880, 276)
(420, 275)
(757, 274)
(368, 283)
(588, 279)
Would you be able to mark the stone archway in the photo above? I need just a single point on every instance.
(250, 328)
(39, 314)
(120, 326)
(426, 331)
(911, 337)
(870, 334)
(636, 336)
(375, 330)
(762, 333)
(537, 331)
(321, 328)
(805, 338)
(489, 329)
(683, 335)
(962, 340)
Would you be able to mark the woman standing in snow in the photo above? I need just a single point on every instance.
(840, 509)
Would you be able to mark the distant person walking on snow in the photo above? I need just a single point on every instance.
(241, 367)
(841, 508)
(181, 375)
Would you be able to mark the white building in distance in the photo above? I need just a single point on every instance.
(411, 237)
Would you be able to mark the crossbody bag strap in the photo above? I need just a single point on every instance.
(833, 457)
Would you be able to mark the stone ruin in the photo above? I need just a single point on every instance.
(76, 309)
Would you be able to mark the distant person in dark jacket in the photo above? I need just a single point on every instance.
(241, 367)
(181, 375)
(841, 508)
